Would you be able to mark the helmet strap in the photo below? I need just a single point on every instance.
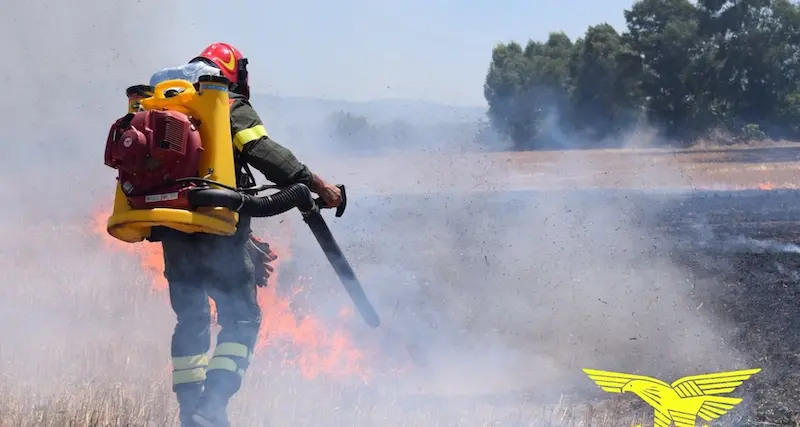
(241, 76)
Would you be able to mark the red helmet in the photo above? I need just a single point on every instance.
(230, 61)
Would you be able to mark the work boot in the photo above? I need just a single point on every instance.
(189, 396)
(212, 411)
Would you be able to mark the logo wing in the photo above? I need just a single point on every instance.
(613, 382)
(710, 384)
(714, 407)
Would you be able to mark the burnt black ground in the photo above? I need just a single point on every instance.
(759, 294)
(739, 244)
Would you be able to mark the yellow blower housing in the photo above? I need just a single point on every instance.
(210, 105)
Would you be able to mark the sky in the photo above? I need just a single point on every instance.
(359, 50)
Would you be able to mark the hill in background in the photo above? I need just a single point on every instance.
(314, 125)
(306, 110)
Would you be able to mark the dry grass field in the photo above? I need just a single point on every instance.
(86, 320)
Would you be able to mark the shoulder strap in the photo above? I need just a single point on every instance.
(244, 176)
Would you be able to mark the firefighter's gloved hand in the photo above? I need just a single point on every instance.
(262, 256)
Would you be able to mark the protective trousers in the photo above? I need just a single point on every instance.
(197, 267)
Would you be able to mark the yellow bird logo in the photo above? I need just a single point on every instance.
(682, 401)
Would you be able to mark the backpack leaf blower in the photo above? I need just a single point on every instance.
(174, 157)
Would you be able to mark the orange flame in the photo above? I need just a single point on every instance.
(766, 186)
(316, 349)
(307, 342)
(150, 255)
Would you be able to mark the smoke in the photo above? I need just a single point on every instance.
(66, 297)
(501, 274)
(490, 273)
(68, 68)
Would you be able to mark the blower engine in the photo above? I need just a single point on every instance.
(151, 150)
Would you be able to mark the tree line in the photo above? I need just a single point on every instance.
(717, 67)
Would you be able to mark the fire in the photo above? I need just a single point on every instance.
(316, 350)
(149, 254)
(766, 186)
(307, 343)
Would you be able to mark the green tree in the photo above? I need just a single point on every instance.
(351, 129)
(605, 76)
(757, 47)
(523, 88)
(664, 33)
(347, 125)
(506, 79)
(687, 68)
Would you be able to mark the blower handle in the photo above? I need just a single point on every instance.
(321, 204)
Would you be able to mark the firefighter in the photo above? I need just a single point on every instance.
(227, 269)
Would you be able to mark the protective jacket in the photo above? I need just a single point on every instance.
(255, 147)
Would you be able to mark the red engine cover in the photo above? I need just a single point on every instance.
(151, 149)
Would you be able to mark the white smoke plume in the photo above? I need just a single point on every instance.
(69, 302)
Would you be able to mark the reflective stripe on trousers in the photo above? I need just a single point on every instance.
(189, 369)
(230, 356)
